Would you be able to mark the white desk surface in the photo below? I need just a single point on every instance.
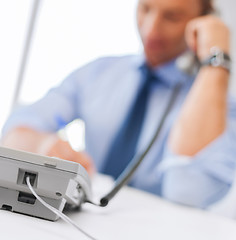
(132, 214)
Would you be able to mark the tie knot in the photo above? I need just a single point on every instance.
(147, 73)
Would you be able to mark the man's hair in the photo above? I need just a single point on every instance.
(207, 7)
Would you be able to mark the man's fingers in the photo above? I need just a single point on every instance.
(63, 150)
(85, 160)
(191, 36)
(205, 32)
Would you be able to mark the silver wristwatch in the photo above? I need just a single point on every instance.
(218, 58)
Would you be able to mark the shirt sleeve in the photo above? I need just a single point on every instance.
(55, 109)
(206, 178)
(59, 106)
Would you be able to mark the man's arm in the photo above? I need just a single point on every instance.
(203, 116)
(43, 143)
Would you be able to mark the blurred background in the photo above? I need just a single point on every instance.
(67, 34)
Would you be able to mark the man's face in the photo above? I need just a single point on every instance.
(161, 25)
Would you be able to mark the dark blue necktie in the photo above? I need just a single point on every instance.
(123, 147)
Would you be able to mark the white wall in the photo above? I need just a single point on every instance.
(13, 19)
(228, 14)
(72, 32)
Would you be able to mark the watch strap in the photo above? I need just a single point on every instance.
(218, 58)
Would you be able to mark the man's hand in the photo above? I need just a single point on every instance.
(63, 150)
(47, 144)
(205, 32)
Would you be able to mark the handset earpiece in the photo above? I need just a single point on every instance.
(188, 63)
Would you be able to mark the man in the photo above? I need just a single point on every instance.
(192, 162)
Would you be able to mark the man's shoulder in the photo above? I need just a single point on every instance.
(102, 67)
(231, 105)
(231, 98)
(109, 64)
(131, 59)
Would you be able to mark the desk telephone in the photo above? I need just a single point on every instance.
(58, 182)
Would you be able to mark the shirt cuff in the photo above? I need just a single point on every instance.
(217, 160)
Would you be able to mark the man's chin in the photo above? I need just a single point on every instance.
(157, 59)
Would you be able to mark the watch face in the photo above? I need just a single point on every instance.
(218, 59)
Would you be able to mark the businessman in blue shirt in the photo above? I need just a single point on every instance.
(193, 160)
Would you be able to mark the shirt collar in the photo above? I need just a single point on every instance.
(168, 73)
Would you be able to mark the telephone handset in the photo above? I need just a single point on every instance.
(188, 63)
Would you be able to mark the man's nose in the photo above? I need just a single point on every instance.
(153, 26)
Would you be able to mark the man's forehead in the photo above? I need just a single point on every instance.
(173, 3)
(177, 6)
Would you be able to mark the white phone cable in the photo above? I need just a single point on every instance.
(56, 211)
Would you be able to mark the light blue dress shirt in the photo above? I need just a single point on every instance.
(102, 92)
